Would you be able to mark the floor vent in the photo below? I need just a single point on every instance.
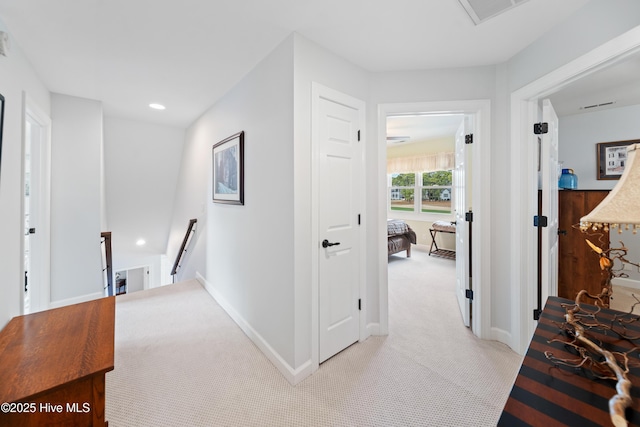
(481, 10)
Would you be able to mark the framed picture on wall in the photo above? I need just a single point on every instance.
(1, 126)
(228, 170)
(611, 158)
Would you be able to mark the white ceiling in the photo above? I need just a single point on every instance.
(187, 54)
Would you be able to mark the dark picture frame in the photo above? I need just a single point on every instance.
(228, 170)
(1, 126)
(611, 158)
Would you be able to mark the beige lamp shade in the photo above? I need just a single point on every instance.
(621, 208)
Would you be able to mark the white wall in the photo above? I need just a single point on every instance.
(596, 23)
(76, 202)
(249, 249)
(477, 83)
(313, 63)
(142, 162)
(16, 77)
(578, 135)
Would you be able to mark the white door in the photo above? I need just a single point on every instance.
(36, 212)
(460, 179)
(339, 201)
(549, 182)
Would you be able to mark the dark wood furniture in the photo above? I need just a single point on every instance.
(578, 266)
(53, 365)
(547, 395)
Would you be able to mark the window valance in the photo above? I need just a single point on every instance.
(426, 163)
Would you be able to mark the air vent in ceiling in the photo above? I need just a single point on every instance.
(604, 104)
(481, 10)
(398, 139)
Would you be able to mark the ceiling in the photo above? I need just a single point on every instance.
(187, 54)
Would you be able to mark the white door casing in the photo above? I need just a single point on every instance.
(338, 120)
(460, 181)
(549, 181)
(523, 175)
(479, 113)
(36, 205)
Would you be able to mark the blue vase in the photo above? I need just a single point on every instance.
(568, 180)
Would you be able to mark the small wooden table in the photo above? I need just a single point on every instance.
(546, 394)
(53, 365)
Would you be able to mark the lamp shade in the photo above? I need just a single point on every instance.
(621, 208)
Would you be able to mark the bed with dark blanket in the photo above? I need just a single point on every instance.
(399, 237)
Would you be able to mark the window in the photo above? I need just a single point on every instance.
(435, 190)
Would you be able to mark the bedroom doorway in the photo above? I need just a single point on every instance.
(426, 167)
(476, 115)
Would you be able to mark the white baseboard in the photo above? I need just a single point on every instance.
(75, 300)
(503, 336)
(627, 283)
(294, 376)
(373, 329)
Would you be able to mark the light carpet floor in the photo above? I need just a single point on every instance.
(181, 361)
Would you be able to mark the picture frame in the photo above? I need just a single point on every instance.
(228, 170)
(611, 158)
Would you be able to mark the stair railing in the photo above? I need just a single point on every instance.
(183, 248)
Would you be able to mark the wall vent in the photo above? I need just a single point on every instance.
(604, 104)
(481, 10)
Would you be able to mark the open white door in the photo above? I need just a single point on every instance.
(36, 202)
(460, 179)
(549, 187)
(339, 201)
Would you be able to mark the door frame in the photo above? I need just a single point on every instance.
(523, 174)
(31, 108)
(318, 92)
(480, 110)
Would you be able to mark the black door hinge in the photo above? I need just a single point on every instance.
(359, 304)
(536, 314)
(358, 135)
(468, 293)
(468, 139)
(468, 216)
(540, 128)
(540, 221)
(358, 219)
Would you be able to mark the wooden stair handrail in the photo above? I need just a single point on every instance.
(176, 264)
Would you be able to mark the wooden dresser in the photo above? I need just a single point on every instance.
(53, 365)
(578, 266)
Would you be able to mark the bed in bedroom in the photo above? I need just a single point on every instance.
(399, 237)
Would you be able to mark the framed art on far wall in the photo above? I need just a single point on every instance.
(611, 158)
(228, 170)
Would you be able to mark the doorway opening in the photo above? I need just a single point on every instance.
(422, 196)
(524, 176)
(36, 208)
(476, 115)
(131, 280)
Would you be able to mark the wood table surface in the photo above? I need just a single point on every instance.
(57, 357)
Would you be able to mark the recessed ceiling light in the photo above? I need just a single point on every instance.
(157, 106)
(141, 242)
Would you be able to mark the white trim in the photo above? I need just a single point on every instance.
(294, 376)
(481, 196)
(32, 109)
(626, 282)
(524, 173)
(319, 91)
(76, 300)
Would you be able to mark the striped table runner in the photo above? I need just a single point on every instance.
(547, 394)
